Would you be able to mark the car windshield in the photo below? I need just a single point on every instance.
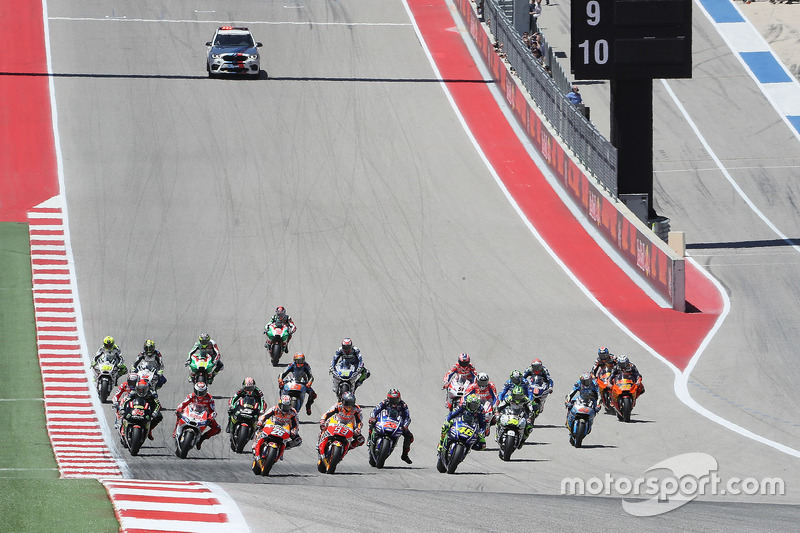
(234, 40)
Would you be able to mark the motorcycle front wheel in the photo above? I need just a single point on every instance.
(270, 459)
(240, 438)
(455, 458)
(104, 389)
(336, 456)
(509, 445)
(275, 353)
(185, 444)
(135, 440)
(383, 452)
(580, 432)
(625, 407)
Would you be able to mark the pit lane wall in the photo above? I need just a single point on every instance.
(659, 265)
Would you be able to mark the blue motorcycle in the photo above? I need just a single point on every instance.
(579, 418)
(296, 391)
(383, 439)
(461, 437)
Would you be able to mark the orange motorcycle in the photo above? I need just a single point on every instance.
(624, 392)
(603, 373)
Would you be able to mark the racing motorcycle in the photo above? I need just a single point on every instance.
(456, 388)
(540, 389)
(345, 377)
(511, 427)
(243, 419)
(295, 390)
(624, 392)
(277, 338)
(201, 366)
(105, 377)
(460, 438)
(334, 443)
(603, 374)
(388, 428)
(272, 442)
(195, 419)
(149, 372)
(136, 418)
(579, 419)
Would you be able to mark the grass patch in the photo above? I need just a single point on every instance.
(32, 496)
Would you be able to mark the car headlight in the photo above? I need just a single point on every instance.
(253, 56)
(216, 56)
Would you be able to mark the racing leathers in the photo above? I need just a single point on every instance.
(347, 416)
(301, 373)
(527, 406)
(510, 385)
(611, 361)
(155, 416)
(530, 374)
(617, 372)
(405, 421)
(114, 355)
(353, 358)
(486, 394)
(468, 371)
(591, 392)
(120, 398)
(207, 403)
(241, 393)
(462, 410)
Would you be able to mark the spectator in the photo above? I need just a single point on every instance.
(535, 11)
(574, 96)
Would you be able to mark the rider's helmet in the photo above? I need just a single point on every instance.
(536, 366)
(280, 312)
(249, 384)
(472, 403)
(517, 394)
(142, 388)
(585, 380)
(347, 346)
(299, 359)
(133, 379)
(603, 354)
(204, 339)
(149, 347)
(348, 400)
(200, 389)
(516, 377)
(285, 404)
(108, 343)
(463, 359)
(623, 362)
(483, 380)
(393, 396)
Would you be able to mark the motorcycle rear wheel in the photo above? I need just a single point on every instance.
(336, 456)
(383, 452)
(270, 459)
(455, 458)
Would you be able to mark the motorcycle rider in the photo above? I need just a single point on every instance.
(604, 358)
(393, 400)
(347, 412)
(201, 397)
(624, 365)
(486, 391)
(111, 352)
(124, 391)
(538, 369)
(515, 379)
(470, 407)
(351, 355)
(143, 391)
(206, 345)
(587, 388)
(150, 356)
(301, 371)
(282, 414)
(462, 368)
(517, 396)
(248, 388)
(281, 319)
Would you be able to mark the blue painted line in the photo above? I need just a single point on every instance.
(722, 11)
(794, 121)
(765, 67)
